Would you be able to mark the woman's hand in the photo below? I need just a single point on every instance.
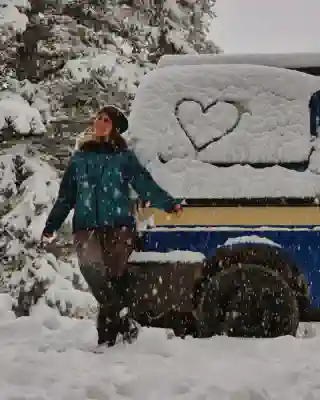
(47, 237)
(176, 209)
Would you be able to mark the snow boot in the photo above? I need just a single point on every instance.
(108, 321)
(113, 318)
(129, 328)
(107, 327)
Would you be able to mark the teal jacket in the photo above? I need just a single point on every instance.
(97, 185)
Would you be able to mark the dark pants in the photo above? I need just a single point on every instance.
(103, 258)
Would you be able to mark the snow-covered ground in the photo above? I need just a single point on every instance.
(48, 357)
(10, 15)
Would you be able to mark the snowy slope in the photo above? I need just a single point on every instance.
(45, 357)
(186, 120)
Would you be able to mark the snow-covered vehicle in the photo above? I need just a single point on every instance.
(230, 135)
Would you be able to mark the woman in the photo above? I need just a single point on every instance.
(96, 185)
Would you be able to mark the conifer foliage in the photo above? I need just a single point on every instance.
(59, 61)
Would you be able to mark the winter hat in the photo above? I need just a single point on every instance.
(117, 116)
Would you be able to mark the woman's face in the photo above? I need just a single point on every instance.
(102, 125)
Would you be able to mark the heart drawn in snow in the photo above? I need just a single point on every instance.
(204, 125)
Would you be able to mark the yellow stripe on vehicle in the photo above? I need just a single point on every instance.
(243, 216)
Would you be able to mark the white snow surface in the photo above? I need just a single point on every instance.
(195, 179)
(266, 110)
(46, 356)
(250, 239)
(39, 189)
(11, 17)
(282, 60)
(106, 65)
(170, 257)
(16, 111)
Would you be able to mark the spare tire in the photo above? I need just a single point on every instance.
(270, 257)
(248, 301)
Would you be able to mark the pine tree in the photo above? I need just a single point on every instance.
(70, 58)
(173, 26)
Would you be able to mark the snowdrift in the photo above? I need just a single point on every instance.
(227, 131)
(47, 356)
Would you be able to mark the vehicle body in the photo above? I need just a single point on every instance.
(230, 135)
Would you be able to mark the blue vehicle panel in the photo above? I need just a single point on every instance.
(301, 244)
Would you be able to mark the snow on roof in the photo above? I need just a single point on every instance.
(188, 120)
(286, 60)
